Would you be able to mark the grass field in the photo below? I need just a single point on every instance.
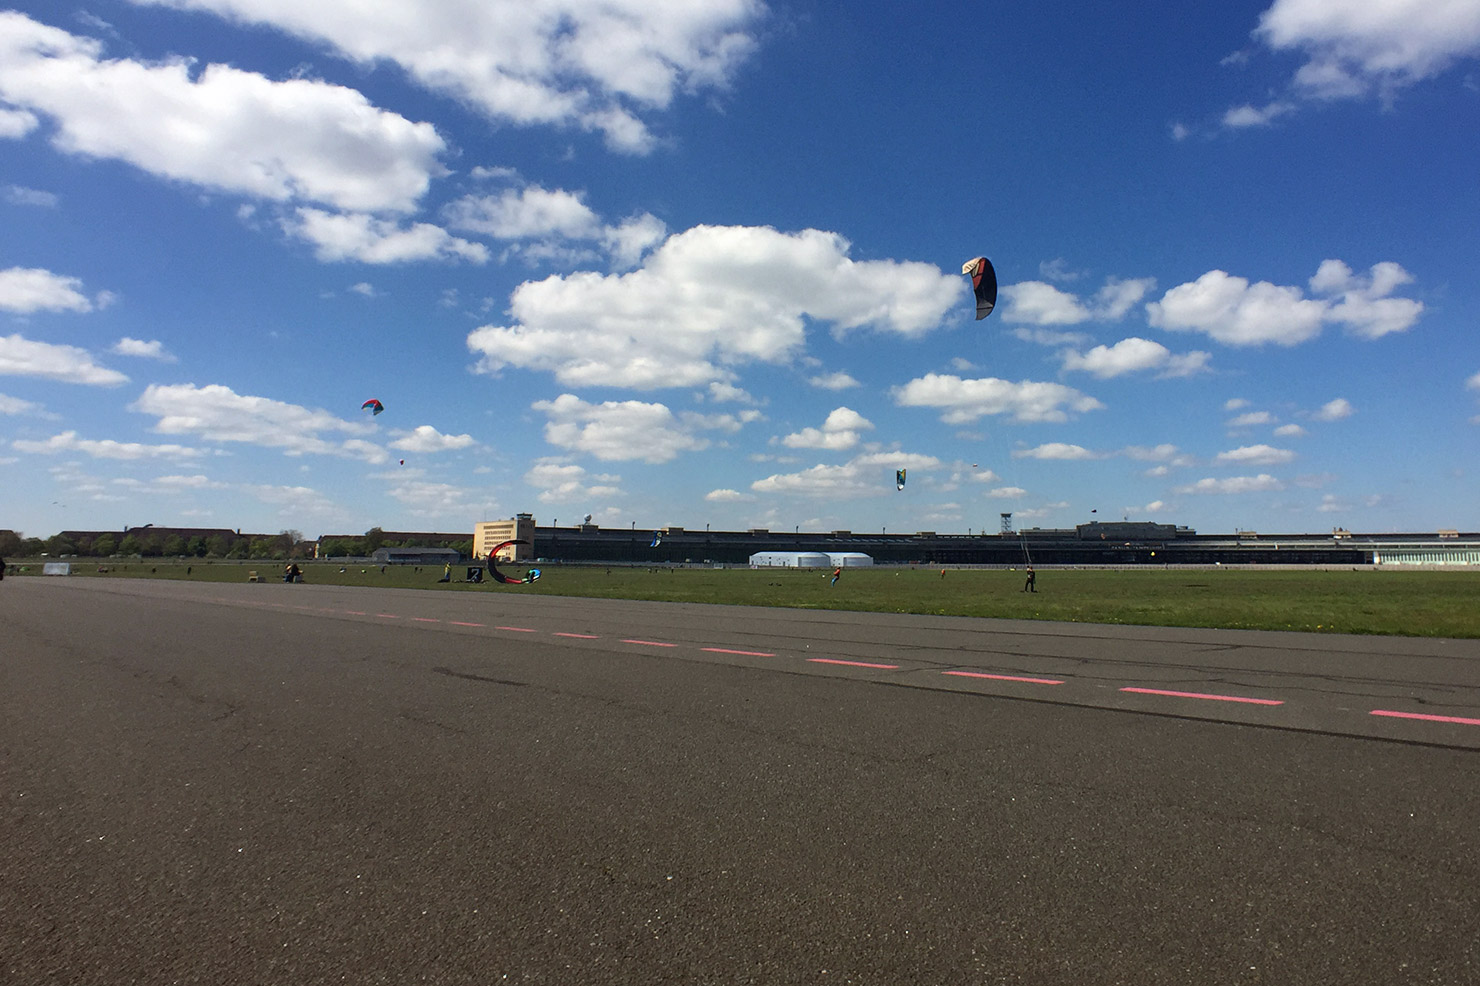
(1406, 603)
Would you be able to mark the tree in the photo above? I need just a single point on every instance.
(104, 545)
(374, 540)
(196, 546)
(10, 543)
(174, 545)
(59, 545)
(130, 545)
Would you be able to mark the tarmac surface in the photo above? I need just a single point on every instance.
(222, 784)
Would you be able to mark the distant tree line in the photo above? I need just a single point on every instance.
(285, 544)
(375, 539)
(146, 544)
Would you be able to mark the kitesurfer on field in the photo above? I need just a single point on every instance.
(1032, 584)
(837, 574)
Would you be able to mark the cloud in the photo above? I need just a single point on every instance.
(1132, 355)
(840, 380)
(20, 195)
(840, 431)
(1252, 419)
(17, 406)
(563, 482)
(1255, 455)
(1256, 116)
(871, 474)
(153, 349)
(1356, 47)
(728, 496)
(1057, 450)
(1012, 493)
(1335, 410)
(23, 357)
(106, 448)
(708, 299)
(426, 439)
(1235, 403)
(218, 127)
(1362, 304)
(219, 414)
(16, 123)
(1289, 431)
(1233, 485)
(1237, 313)
(1159, 453)
(964, 401)
(719, 391)
(550, 220)
(625, 430)
(1040, 303)
(26, 290)
(365, 238)
(538, 62)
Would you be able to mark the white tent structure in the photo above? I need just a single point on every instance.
(791, 559)
(849, 559)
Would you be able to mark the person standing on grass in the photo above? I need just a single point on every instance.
(1032, 584)
(837, 574)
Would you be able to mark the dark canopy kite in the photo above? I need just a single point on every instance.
(374, 405)
(529, 576)
(899, 479)
(984, 283)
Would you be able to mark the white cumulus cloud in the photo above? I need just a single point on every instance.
(1133, 355)
(708, 299)
(964, 401)
(25, 290)
(871, 474)
(368, 239)
(219, 414)
(1255, 455)
(626, 430)
(1335, 410)
(218, 127)
(24, 357)
(596, 66)
(1236, 312)
(150, 349)
(426, 439)
(1356, 47)
(1261, 483)
(840, 431)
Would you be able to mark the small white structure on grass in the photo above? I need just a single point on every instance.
(849, 559)
(791, 559)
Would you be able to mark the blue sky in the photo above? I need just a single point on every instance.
(698, 262)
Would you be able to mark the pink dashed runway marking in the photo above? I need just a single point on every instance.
(462, 623)
(1210, 698)
(578, 636)
(425, 619)
(517, 629)
(1004, 677)
(853, 664)
(743, 653)
(353, 612)
(1427, 718)
(649, 643)
(388, 616)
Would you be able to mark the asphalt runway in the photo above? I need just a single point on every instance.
(224, 784)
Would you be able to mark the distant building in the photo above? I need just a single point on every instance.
(790, 559)
(415, 556)
(489, 534)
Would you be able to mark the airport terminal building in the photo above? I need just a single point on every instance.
(1093, 544)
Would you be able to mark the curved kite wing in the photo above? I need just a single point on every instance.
(374, 405)
(532, 575)
(984, 283)
(899, 479)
